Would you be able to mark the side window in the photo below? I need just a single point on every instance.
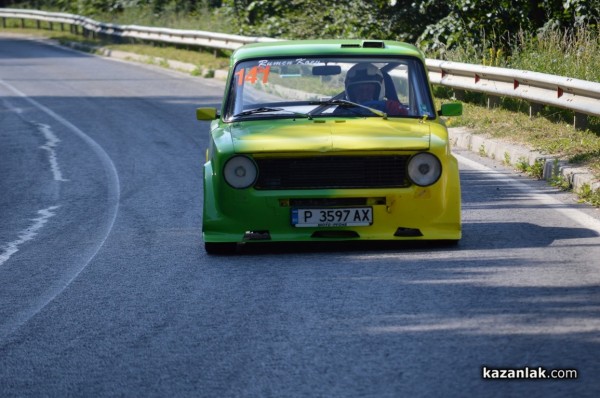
(410, 88)
(397, 81)
(420, 95)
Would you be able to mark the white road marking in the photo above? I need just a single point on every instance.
(51, 142)
(574, 214)
(114, 193)
(28, 233)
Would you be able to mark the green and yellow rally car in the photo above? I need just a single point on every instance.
(329, 140)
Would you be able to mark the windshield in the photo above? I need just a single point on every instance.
(328, 86)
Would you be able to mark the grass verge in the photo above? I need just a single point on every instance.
(549, 132)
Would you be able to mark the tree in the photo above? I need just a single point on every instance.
(494, 23)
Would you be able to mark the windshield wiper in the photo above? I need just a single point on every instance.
(346, 103)
(265, 109)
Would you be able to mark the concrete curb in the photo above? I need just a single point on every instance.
(510, 154)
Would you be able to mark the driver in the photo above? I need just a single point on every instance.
(365, 85)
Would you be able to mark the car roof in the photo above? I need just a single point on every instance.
(295, 48)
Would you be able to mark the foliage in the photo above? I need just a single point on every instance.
(295, 19)
(99, 7)
(571, 52)
(589, 195)
(443, 29)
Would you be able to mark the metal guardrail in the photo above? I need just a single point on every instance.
(176, 36)
(583, 97)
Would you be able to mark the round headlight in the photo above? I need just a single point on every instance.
(240, 172)
(424, 169)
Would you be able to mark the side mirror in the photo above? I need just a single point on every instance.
(207, 113)
(451, 109)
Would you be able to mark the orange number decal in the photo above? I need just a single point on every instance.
(265, 72)
(252, 75)
(240, 76)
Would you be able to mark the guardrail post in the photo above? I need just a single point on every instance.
(534, 109)
(580, 121)
(493, 101)
(38, 25)
(459, 95)
(22, 23)
(3, 22)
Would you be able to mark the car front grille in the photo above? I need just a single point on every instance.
(320, 172)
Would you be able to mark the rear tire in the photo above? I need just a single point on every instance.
(220, 248)
(449, 242)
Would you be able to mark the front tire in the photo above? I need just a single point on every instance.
(220, 248)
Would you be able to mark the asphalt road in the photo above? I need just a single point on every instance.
(105, 289)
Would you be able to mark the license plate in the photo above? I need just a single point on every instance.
(342, 217)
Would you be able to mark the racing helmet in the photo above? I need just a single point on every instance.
(361, 74)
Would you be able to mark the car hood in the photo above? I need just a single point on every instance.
(330, 135)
